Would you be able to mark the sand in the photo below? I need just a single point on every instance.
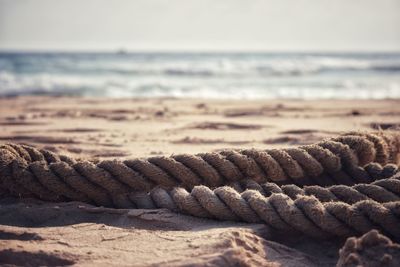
(39, 233)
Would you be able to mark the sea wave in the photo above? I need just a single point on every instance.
(250, 76)
(202, 67)
(122, 86)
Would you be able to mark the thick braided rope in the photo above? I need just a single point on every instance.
(371, 249)
(313, 210)
(38, 179)
(381, 191)
(26, 171)
(373, 206)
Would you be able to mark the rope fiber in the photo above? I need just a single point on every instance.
(343, 186)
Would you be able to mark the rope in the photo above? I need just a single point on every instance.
(41, 173)
(312, 215)
(371, 249)
(321, 190)
(384, 190)
(179, 199)
(325, 163)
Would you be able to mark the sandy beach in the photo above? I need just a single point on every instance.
(57, 234)
(200, 133)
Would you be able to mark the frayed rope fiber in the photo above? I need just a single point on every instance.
(338, 187)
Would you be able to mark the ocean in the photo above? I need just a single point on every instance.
(203, 75)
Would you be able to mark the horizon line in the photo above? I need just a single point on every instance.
(196, 51)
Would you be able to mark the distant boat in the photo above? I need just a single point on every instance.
(121, 52)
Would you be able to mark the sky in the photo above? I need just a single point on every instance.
(234, 25)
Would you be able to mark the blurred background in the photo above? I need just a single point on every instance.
(222, 49)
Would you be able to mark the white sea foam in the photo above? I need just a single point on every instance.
(234, 76)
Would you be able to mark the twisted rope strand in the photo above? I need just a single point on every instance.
(84, 182)
(385, 190)
(325, 163)
(382, 191)
(299, 200)
(305, 214)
